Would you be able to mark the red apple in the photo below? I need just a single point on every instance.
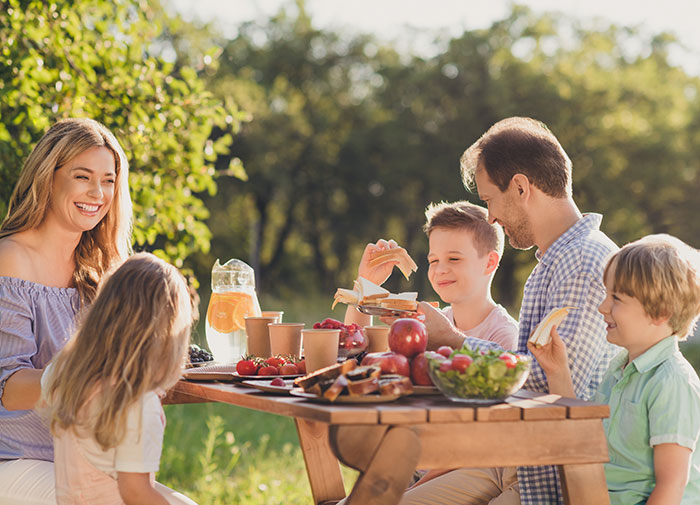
(419, 371)
(408, 337)
(390, 362)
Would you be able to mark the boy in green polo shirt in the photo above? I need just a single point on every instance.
(652, 302)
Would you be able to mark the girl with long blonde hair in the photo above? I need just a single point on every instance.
(68, 223)
(102, 395)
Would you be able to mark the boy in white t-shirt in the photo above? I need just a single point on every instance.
(464, 254)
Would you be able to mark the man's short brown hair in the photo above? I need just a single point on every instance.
(663, 273)
(469, 217)
(519, 145)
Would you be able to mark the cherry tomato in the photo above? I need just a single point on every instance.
(268, 370)
(276, 361)
(246, 367)
(446, 365)
(289, 369)
(510, 360)
(461, 362)
(445, 350)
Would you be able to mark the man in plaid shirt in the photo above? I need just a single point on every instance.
(524, 176)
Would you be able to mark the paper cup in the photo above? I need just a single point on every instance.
(320, 348)
(258, 335)
(285, 339)
(273, 313)
(378, 337)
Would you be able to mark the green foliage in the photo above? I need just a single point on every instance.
(221, 455)
(351, 139)
(101, 59)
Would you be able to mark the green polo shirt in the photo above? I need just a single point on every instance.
(654, 400)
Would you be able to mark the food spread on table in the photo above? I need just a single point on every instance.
(348, 378)
(388, 374)
(543, 333)
(365, 293)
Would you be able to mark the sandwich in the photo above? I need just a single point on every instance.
(401, 301)
(404, 262)
(366, 292)
(543, 333)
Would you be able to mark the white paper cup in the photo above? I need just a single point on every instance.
(285, 339)
(258, 335)
(273, 313)
(320, 348)
(378, 337)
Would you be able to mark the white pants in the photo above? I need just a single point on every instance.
(468, 486)
(27, 482)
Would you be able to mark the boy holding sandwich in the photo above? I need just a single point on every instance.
(464, 254)
(652, 301)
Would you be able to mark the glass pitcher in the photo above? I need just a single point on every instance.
(232, 299)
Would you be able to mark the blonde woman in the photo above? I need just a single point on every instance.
(102, 395)
(68, 222)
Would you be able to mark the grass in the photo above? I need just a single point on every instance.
(220, 454)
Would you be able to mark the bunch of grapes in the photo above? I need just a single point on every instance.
(199, 355)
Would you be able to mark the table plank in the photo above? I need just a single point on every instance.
(491, 444)
(498, 412)
(533, 410)
(281, 405)
(576, 408)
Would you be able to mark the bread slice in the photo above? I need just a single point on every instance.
(395, 385)
(335, 389)
(322, 376)
(363, 380)
(398, 304)
(345, 296)
(398, 254)
(543, 333)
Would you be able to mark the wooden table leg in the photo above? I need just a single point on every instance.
(321, 464)
(386, 459)
(584, 484)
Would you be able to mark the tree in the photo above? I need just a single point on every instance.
(102, 59)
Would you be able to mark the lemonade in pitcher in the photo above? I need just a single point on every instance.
(232, 299)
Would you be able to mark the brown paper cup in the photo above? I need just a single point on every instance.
(258, 335)
(273, 313)
(378, 337)
(320, 348)
(285, 339)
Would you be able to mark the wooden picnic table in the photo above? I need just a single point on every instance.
(386, 442)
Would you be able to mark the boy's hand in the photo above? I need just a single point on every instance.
(440, 330)
(554, 360)
(380, 273)
(552, 357)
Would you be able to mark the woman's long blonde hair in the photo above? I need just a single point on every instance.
(132, 340)
(108, 243)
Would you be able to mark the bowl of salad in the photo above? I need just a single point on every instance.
(480, 377)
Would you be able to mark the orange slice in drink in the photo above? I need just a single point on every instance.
(244, 307)
(221, 313)
(227, 311)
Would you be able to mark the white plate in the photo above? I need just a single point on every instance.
(264, 385)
